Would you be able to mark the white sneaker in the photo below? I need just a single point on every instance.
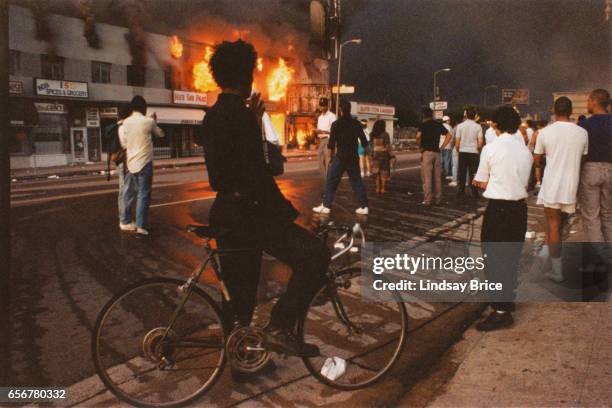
(362, 211)
(142, 231)
(453, 184)
(449, 177)
(322, 209)
(127, 227)
(368, 174)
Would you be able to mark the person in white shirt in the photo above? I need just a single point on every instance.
(324, 123)
(503, 173)
(136, 136)
(564, 144)
(490, 135)
(468, 142)
(268, 128)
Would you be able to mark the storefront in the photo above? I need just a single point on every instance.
(372, 112)
(60, 126)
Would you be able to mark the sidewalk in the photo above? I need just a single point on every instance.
(100, 167)
(556, 354)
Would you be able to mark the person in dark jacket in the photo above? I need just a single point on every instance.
(249, 207)
(346, 133)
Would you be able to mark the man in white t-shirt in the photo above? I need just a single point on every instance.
(564, 144)
(503, 173)
(324, 123)
(468, 142)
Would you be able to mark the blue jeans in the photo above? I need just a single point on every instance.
(446, 158)
(334, 175)
(126, 194)
(143, 181)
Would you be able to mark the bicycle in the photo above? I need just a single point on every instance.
(163, 331)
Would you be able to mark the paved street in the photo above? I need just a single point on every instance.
(69, 257)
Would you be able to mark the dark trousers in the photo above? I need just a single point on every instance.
(468, 162)
(291, 244)
(503, 235)
(334, 176)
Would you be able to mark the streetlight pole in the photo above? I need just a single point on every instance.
(355, 41)
(485, 92)
(435, 90)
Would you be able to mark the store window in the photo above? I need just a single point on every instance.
(136, 75)
(100, 72)
(51, 134)
(52, 67)
(15, 62)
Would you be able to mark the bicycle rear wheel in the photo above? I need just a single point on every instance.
(367, 336)
(145, 362)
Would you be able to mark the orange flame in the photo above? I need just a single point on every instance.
(278, 81)
(260, 64)
(176, 47)
(203, 80)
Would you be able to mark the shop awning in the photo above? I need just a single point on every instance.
(177, 116)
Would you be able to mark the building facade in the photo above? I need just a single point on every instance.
(63, 94)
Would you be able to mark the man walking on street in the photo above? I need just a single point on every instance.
(324, 124)
(468, 142)
(137, 138)
(563, 143)
(428, 140)
(503, 174)
(346, 133)
(595, 191)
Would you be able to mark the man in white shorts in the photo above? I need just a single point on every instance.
(563, 143)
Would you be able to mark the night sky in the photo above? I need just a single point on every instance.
(543, 45)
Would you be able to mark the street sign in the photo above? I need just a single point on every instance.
(438, 105)
(515, 96)
(344, 89)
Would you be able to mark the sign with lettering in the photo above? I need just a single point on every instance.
(15, 87)
(344, 89)
(366, 108)
(109, 112)
(43, 107)
(515, 96)
(438, 105)
(92, 117)
(65, 89)
(189, 98)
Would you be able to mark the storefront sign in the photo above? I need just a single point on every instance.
(42, 107)
(109, 112)
(189, 98)
(92, 117)
(68, 89)
(15, 87)
(515, 96)
(363, 108)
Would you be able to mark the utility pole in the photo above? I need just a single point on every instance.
(5, 206)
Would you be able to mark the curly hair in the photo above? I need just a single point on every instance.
(232, 64)
(506, 119)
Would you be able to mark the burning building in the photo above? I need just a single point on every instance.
(74, 93)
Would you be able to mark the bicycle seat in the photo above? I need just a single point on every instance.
(206, 231)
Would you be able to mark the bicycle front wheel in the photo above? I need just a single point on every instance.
(146, 360)
(358, 339)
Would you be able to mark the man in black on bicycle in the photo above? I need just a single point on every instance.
(249, 207)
